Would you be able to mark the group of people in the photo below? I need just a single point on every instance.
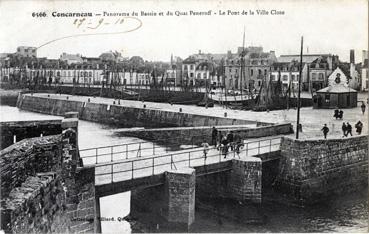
(338, 114)
(224, 143)
(346, 129)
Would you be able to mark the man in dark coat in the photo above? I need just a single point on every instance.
(325, 130)
(214, 135)
(349, 129)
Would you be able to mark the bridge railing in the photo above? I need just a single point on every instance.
(147, 166)
(136, 149)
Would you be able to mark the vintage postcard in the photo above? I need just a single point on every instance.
(240, 116)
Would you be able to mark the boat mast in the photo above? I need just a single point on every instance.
(242, 62)
(299, 92)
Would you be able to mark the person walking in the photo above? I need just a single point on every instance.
(206, 149)
(336, 114)
(214, 135)
(325, 130)
(340, 114)
(359, 127)
(230, 140)
(363, 107)
(344, 130)
(224, 146)
(349, 129)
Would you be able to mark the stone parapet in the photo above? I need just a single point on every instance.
(311, 170)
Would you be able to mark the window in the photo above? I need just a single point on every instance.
(205, 76)
(293, 77)
(327, 98)
(297, 77)
(230, 70)
(90, 74)
(68, 73)
(191, 74)
(321, 76)
(236, 70)
(265, 71)
(191, 67)
(313, 76)
(198, 76)
(272, 77)
(259, 83)
(285, 78)
(259, 71)
(251, 72)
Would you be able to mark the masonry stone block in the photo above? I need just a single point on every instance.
(246, 179)
(180, 194)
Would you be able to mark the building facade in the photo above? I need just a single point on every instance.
(27, 51)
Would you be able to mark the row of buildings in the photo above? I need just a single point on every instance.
(247, 69)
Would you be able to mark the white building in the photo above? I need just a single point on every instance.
(27, 51)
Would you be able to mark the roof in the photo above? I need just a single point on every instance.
(337, 89)
(306, 58)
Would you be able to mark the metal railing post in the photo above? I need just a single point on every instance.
(270, 145)
(127, 151)
(139, 148)
(111, 154)
(153, 148)
(132, 169)
(258, 147)
(153, 166)
(171, 161)
(96, 155)
(189, 159)
(247, 149)
(112, 174)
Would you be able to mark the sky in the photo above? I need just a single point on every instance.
(328, 26)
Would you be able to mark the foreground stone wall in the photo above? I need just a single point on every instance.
(26, 158)
(121, 115)
(37, 206)
(19, 130)
(26, 203)
(311, 170)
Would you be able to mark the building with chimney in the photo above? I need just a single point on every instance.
(256, 64)
(364, 76)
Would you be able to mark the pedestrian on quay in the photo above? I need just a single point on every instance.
(238, 144)
(359, 127)
(349, 129)
(344, 130)
(214, 135)
(363, 107)
(230, 140)
(325, 130)
(206, 149)
(340, 114)
(336, 113)
(220, 141)
(224, 146)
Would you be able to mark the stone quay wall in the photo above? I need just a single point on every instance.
(312, 170)
(18, 130)
(198, 135)
(122, 115)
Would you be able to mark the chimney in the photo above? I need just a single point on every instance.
(365, 55)
(352, 56)
(272, 53)
(229, 54)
